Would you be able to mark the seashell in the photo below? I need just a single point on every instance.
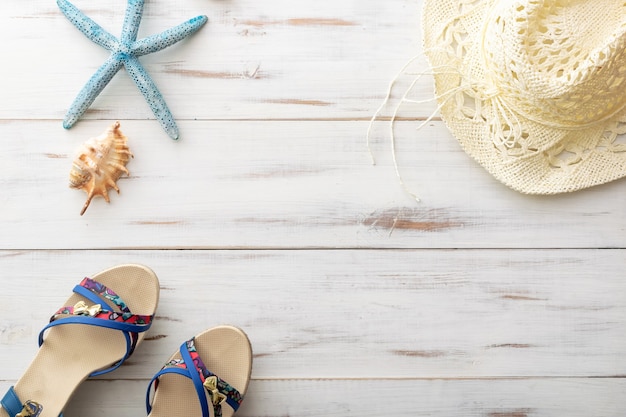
(99, 163)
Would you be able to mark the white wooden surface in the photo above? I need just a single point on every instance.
(269, 215)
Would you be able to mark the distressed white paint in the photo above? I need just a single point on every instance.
(315, 315)
(477, 301)
(283, 184)
(406, 398)
(279, 59)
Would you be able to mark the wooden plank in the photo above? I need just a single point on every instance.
(356, 313)
(275, 60)
(285, 185)
(572, 397)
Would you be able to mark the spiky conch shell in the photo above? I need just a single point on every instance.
(99, 163)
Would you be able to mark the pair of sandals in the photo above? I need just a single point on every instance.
(100, 326)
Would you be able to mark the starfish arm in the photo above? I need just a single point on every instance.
(152, 95)
(168, 37)
(132, 18)
(88, 27)
(90, 91)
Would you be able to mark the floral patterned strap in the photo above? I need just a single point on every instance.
(217, 390)
(104, 292)
(97, 310)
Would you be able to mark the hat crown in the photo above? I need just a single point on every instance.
(559, 62)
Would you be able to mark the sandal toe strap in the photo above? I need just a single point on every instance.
(100, 315)
(209, 387)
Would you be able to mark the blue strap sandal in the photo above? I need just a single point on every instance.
(208, 377)
(99, 328)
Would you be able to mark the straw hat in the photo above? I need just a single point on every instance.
(534, 90)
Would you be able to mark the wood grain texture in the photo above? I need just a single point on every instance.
(252, 60)
(372, 398)
(361, 313)
(283, 185)
(270, 214)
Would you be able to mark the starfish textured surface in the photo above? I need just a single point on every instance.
(124, 53)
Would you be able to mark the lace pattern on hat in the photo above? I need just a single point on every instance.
(514, 87)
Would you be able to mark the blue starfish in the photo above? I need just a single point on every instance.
(125, 52)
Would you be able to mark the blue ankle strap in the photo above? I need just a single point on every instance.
(12, 404)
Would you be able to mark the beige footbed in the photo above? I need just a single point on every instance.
(226, 352)
(71, 352)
